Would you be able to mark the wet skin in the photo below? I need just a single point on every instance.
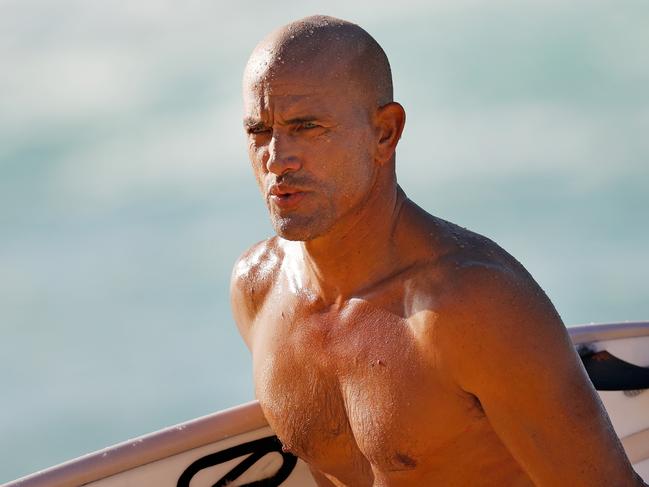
(390, 347)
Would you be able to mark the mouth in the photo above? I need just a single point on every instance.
(285, 197)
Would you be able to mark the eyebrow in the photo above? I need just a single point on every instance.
(299, 120)
(251, 122)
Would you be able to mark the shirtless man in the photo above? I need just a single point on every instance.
(391, 347)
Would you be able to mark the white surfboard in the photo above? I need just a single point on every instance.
(616, 357)
(236, 447)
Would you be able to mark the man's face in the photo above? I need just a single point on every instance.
(310, 142)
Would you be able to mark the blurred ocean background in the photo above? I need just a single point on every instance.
(126, 195)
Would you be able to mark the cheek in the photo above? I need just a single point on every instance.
(355, 161)
(256, 155)
(351, 173)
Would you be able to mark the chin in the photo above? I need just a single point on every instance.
(298, 229)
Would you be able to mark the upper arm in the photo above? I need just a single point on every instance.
(240, 301)
(248, 285)
(508, 347)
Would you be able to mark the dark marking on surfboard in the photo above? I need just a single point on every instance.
(256, 450)
(609, 373)
(634, 392)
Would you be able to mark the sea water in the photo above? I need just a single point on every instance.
(126, 196)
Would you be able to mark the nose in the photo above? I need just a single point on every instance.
(282, 156)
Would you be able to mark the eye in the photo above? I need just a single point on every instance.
(258, 129)
(309, 124)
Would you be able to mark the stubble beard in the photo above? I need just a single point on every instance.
(304, 227)
(301, 227)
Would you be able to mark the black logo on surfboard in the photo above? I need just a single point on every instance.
(255, 450)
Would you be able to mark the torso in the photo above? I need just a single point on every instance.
(356, 388)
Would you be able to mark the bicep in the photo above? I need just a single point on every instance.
(518, 360)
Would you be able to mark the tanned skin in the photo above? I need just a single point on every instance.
(391, 347)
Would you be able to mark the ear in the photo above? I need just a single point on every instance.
(389, 122)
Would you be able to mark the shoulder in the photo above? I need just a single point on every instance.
(253, 276)
(482, 302)
(483, 277)
(493, 313)
(501, 341)
(472, 271)
(258, 261)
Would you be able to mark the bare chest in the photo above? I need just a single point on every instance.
(355, 387)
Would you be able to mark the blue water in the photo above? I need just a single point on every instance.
(125, 193)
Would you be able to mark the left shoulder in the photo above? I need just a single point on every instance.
(478, 298)
(471, 273)
(499, 339)
(495, 288)
(482, 279)
(492, 309)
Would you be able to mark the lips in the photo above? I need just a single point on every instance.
(285, 197)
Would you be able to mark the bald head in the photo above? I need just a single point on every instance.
(325, 48)
(321, 124)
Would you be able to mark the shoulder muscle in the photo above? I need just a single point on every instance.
(505, 344)
(252, 277)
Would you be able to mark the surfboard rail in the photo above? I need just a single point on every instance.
(224, 424)
(636, 444)
(150, 447)
(597, 332)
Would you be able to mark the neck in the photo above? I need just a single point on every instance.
(359, 252)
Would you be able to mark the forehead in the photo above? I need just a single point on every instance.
(296, 91)
(273, 91)
(275, 81)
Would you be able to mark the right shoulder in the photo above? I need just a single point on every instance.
(253, 275)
